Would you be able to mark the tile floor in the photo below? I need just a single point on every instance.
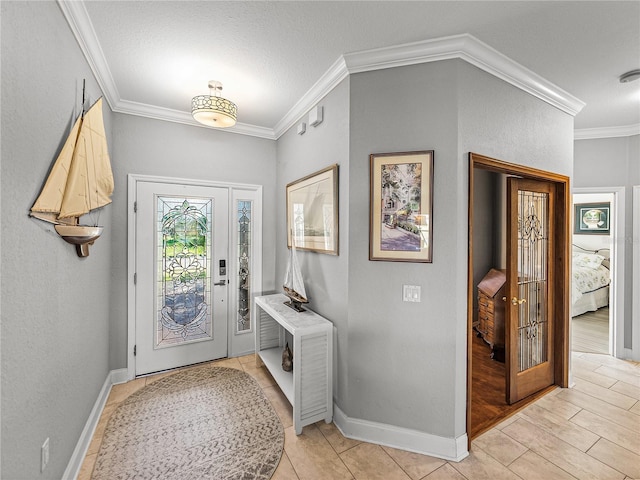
(591, 431)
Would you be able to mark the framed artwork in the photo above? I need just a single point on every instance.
(591, 218)
(312, 212)
(401, 207)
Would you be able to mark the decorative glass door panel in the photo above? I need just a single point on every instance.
(533, 246)
(181, 294)
(184, 274)
(528, 325)
(243, 319)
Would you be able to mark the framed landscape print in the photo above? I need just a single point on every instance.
(591, 218)
(312, 212)
(401, 206)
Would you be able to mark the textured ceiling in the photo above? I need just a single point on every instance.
(269, 54)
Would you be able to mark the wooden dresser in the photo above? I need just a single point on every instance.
(491, 311)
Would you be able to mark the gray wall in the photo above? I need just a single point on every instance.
(452, 108)
(153, 147)
(401, 355)
(325, 276)
(55, 306)
(614, 162)
(64, 319)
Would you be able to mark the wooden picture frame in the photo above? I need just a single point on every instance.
(312, 212)
(401, 206)
(591, 218)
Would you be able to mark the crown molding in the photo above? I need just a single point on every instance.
(176, 116)
(473, 51)
(329, 80)
(606, 132)
(465, 47)
(78, 19)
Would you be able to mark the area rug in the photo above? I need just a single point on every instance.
(201, 423)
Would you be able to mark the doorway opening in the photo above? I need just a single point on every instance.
(597, 281)
(492, 368)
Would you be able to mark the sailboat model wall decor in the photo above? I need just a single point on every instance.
(293, 283)
(80, 181)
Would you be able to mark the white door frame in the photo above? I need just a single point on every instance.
(236, 191)
(635, 320)
(616, 307)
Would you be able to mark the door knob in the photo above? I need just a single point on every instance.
(515, 301)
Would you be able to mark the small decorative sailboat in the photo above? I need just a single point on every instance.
(293, 283)
(79, 182)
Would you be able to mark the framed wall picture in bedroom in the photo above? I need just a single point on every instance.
(591, 218)
(312, 212)
(401, 206)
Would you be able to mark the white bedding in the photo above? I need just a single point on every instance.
(586, 279)
(589, 276)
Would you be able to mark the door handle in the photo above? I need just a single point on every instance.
(221, 283)
(516, 301)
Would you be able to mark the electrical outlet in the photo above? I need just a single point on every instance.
(44, 455)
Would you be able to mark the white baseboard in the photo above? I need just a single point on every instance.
(75, 463)
(119, 376)
(454, 449)
(627, 354)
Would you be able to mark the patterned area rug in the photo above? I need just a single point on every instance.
(201, 423)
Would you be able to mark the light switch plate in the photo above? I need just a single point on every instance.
(411, 293)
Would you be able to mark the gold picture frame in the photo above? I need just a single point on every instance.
(312, 212)
(401, 206)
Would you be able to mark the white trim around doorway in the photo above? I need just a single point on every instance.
(635, 325)
(616, 307)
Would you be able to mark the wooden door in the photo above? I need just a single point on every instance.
(529, 326)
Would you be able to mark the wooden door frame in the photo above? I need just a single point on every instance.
(560, 267)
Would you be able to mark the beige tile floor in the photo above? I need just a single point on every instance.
(591, 431)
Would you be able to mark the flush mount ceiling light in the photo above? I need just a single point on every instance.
(212, 109)
(630, 76)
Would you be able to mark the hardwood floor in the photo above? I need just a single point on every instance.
(590, 334)
(488, 397)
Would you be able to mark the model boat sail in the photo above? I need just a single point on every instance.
(293, 283)
(79, 182)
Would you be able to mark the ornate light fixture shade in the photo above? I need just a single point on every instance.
(213, 110)
(630, 76)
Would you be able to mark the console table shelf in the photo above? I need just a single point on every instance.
(309, 388)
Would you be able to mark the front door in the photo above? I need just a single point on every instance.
(529, 313)
(181, 278)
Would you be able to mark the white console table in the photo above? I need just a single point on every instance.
(309, 388)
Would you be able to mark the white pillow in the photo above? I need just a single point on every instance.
(589, 260)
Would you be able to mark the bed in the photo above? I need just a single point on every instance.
(590, 280)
